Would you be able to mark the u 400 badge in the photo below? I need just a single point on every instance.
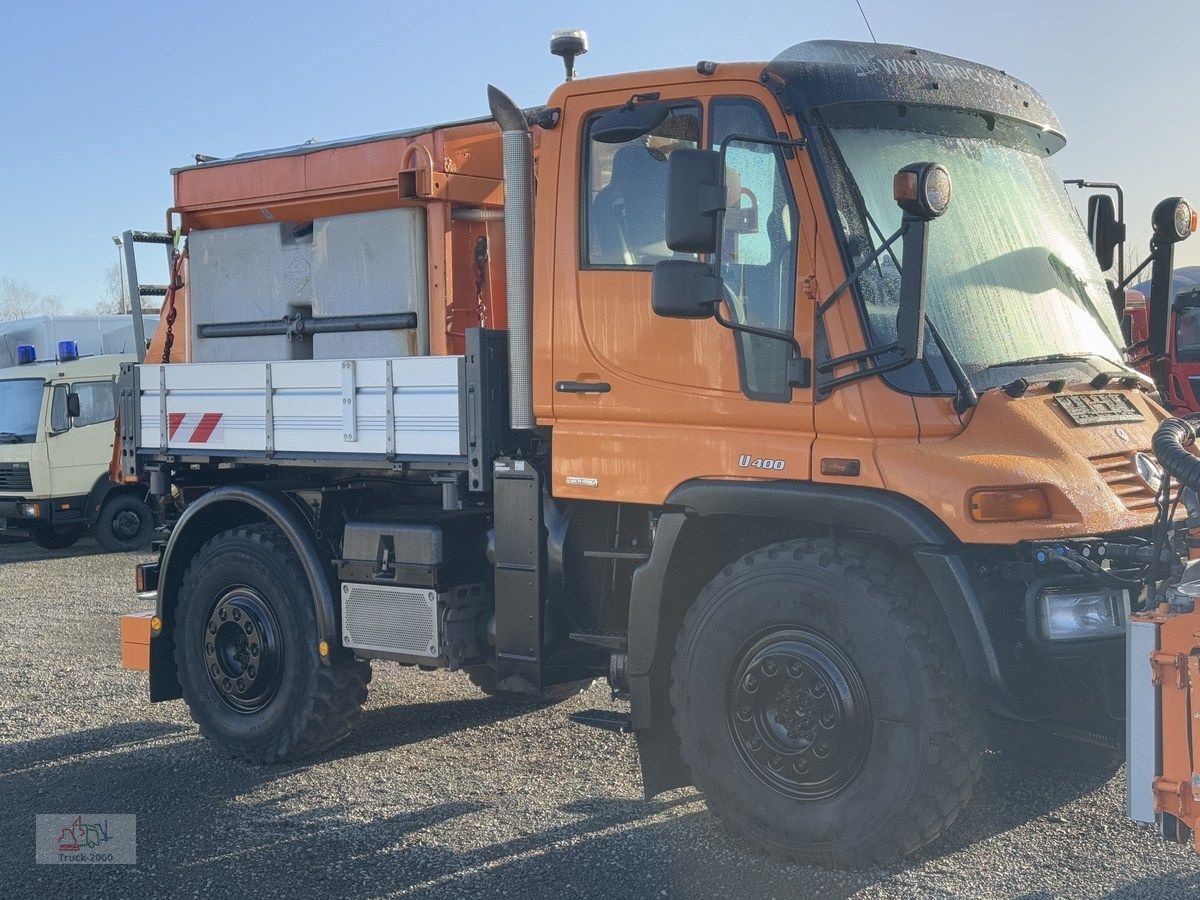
(746, 461)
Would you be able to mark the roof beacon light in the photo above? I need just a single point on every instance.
(26, 354)
(67, 351)
(569, 43)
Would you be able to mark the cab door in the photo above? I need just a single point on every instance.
(79, 447)
(642, 403)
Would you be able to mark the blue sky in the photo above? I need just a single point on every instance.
(99, 101)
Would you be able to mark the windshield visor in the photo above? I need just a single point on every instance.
(1010, 275)
(20, 407)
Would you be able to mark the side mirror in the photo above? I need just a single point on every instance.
(1173, 220)
(696, 193)
(685, 289)
(72, 405)
(923, 191)
(1105, 232)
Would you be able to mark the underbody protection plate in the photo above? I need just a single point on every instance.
(1098, 409)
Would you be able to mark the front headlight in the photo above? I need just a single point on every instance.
(30, 510)
(1070, 615)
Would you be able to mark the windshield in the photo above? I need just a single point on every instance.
(20, 406)
(1010, 276)
(1187, 333)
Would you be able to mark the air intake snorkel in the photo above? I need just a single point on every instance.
(518, 254)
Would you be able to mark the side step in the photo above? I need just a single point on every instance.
(621, 723)
(614, 641)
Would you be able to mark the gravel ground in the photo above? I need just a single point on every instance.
(444, 793)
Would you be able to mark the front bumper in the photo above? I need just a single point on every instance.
(15, 514)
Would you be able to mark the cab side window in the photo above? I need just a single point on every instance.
(759, 247)
(97, 402)
(58, 408)
(625, 192)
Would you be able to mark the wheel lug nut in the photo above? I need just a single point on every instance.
(241, 686)
(226, 684)
(817, 690)
(795, 669)
(252, 672)
(776, 763)
(754, 743)
(821, 749)
(215, 672)
(744, 712)
(212, 627)
(751, 682)
(208, 648)
(249, 628)
(254, 649)
(770, 667)
(828, 719)
(237, 615)
(224, 615)
(800, 765)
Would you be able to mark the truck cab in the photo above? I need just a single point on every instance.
(56, 438)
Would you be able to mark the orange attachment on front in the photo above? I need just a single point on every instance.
(135, 641)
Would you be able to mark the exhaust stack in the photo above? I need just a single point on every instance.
(518, 254)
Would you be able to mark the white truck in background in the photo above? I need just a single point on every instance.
(57, 405)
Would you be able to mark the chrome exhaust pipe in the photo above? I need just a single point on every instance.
(518, 254)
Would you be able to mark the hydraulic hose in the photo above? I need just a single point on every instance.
(1170, 444)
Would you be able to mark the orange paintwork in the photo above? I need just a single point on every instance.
(1176, 670)
(135, 641)
(675, 411)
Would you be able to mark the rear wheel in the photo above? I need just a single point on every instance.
(125, 523)
(821, 704)
(246, 652)
(53, 539)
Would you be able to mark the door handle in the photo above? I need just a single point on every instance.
(582, 387)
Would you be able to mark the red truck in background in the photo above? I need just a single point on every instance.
(1177, 370)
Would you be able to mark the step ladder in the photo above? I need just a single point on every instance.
(135, 291)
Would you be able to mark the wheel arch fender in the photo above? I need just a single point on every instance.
(100, 492)
(912, 529)
(219, 510)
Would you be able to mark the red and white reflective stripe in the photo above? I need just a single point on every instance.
(198, 426)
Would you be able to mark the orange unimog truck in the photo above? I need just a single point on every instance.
(786, 396)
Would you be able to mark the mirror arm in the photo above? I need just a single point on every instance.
(862, 267)
(1134, 274)
(799, 374)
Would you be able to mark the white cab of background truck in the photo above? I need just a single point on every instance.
(57, 410)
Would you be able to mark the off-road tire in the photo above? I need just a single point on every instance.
(314, 705)
(484, 678)
(111, 529)
(925, 733)
(52, 539)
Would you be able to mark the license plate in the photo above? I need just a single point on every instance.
(1098, 409)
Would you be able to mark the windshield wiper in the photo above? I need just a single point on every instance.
(7, 437)
(1052, 358)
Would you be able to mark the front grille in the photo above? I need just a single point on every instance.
(14, 479)
(1119, 472)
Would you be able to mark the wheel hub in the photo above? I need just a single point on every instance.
(242, 650)
(798, 713)
(126, 525)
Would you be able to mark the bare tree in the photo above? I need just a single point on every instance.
(20, 300)
(112, 298)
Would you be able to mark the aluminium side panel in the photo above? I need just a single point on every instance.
(299, 408)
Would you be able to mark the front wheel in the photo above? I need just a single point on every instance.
(125, 523)
(247, 656)
(821, 704)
